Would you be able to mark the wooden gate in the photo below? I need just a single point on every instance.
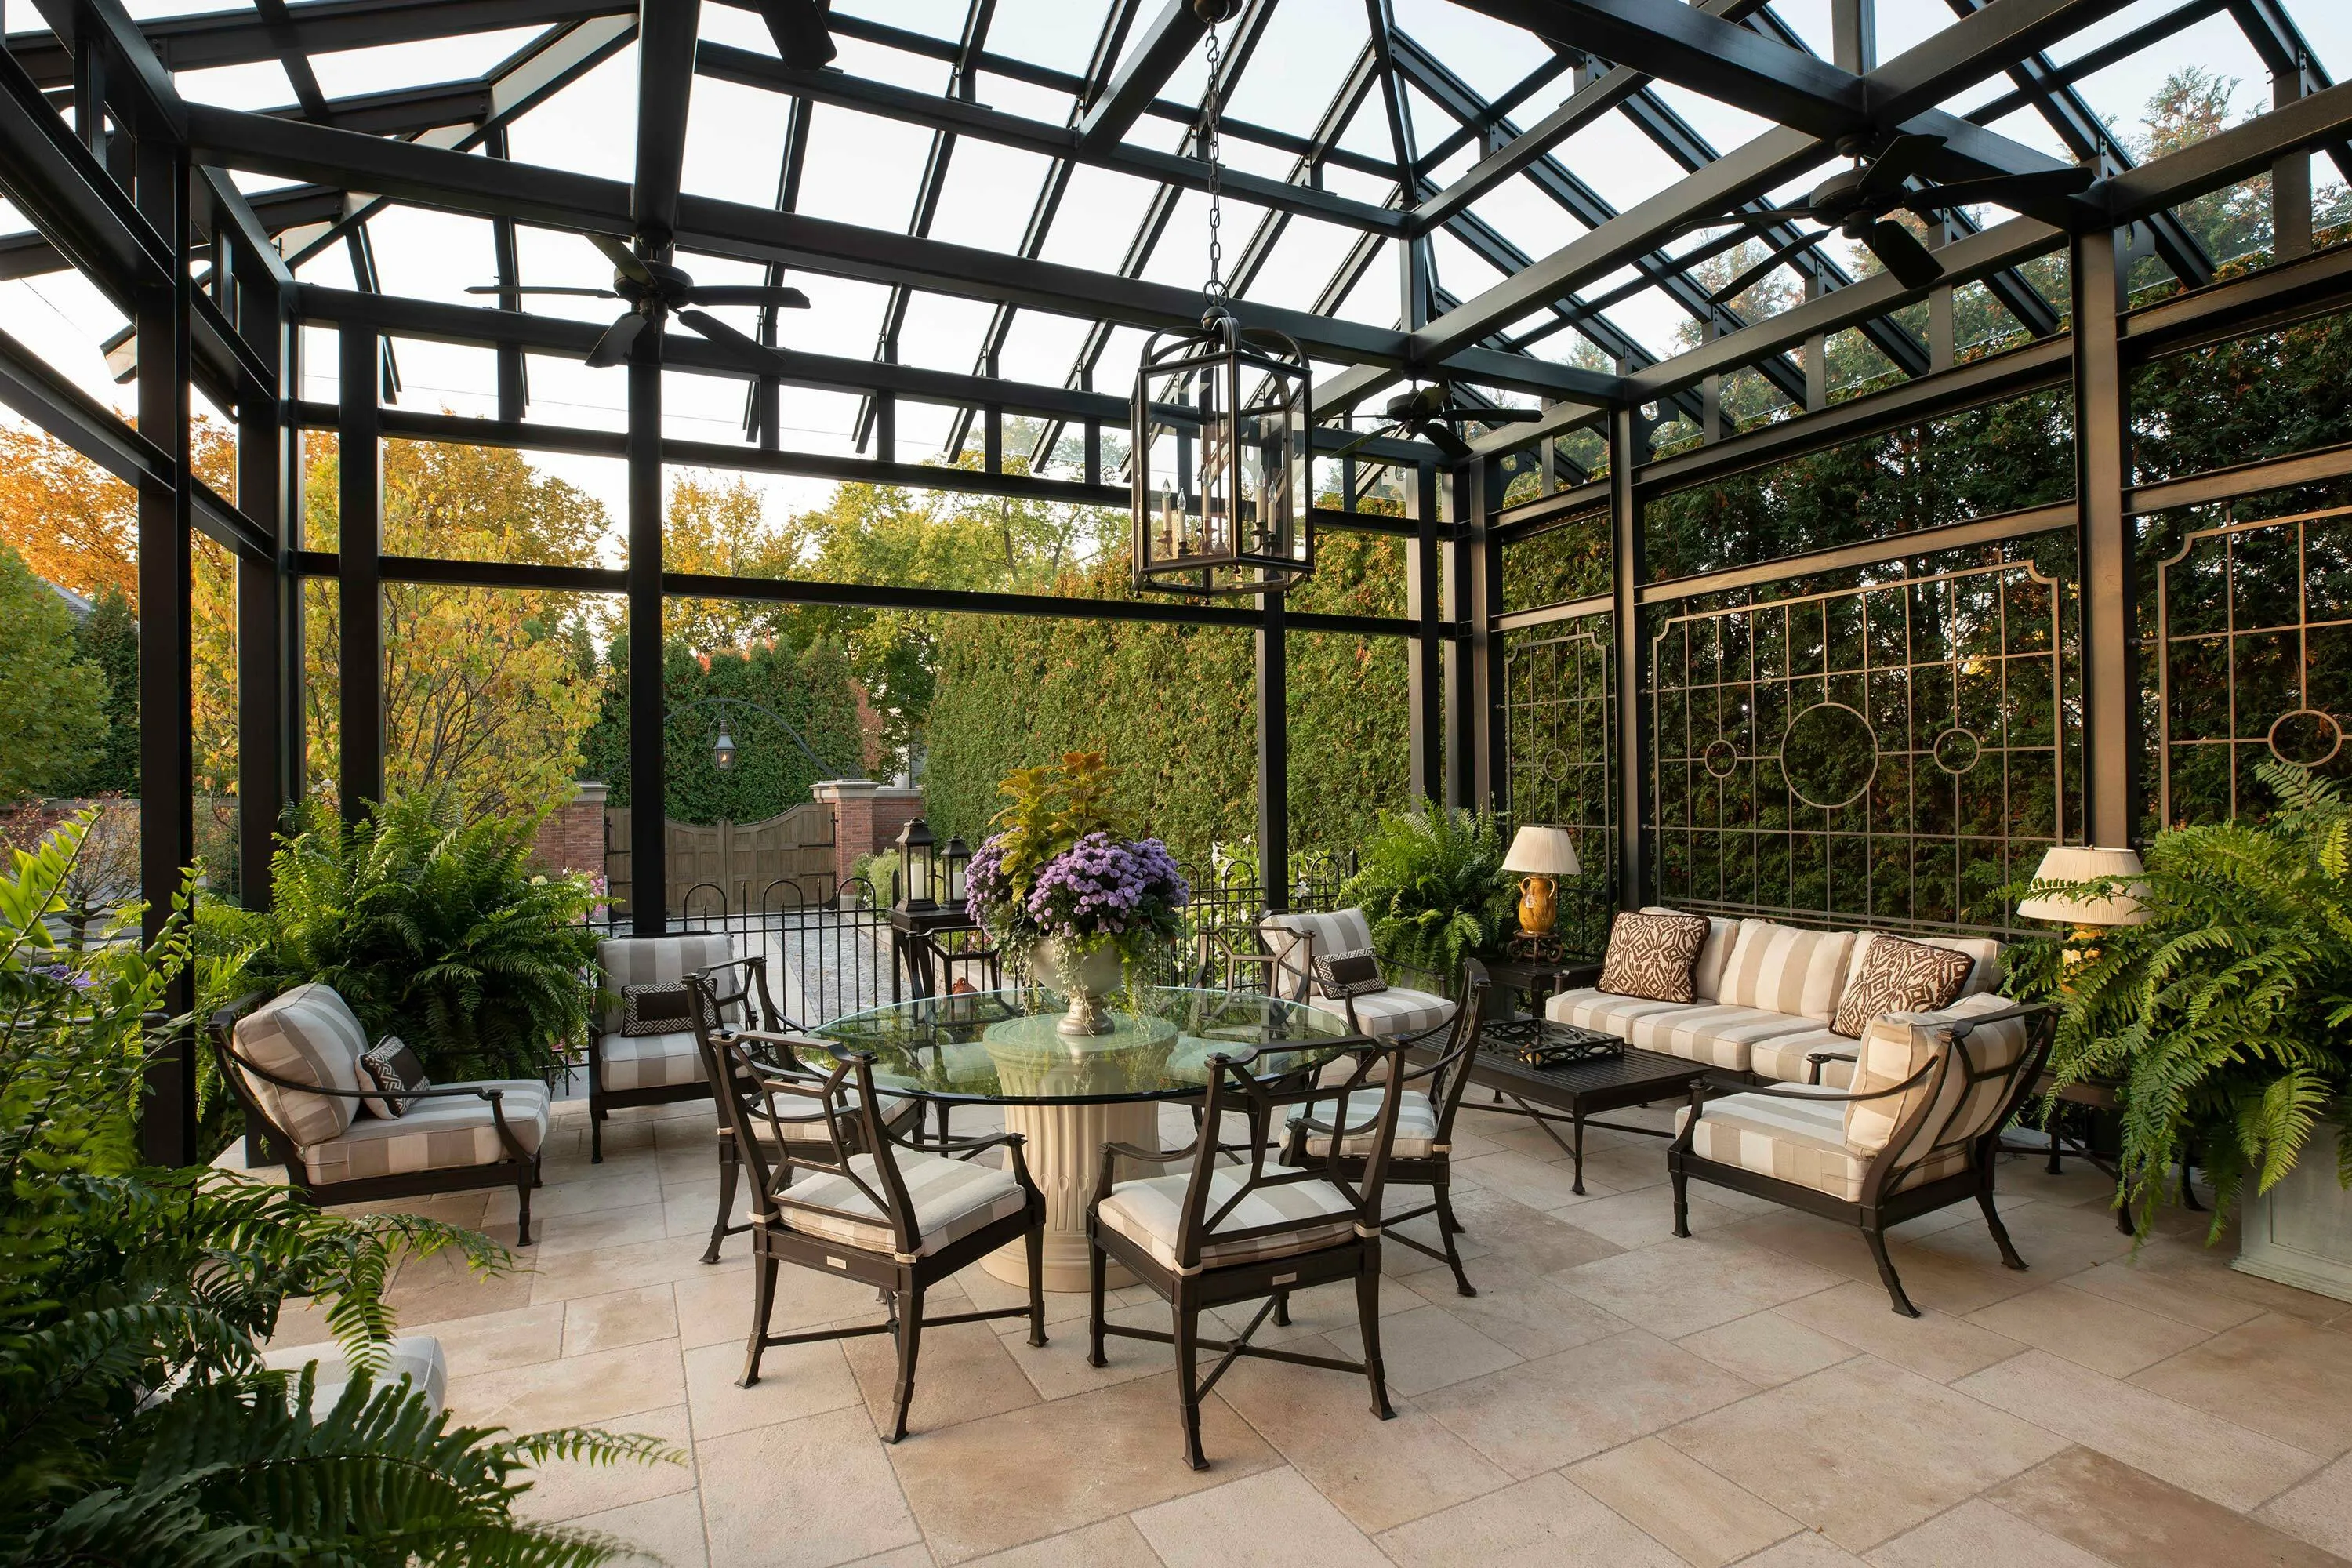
(743, 860)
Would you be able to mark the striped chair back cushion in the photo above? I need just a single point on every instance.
(1714, 955)
(1896, 1047)
(652, 960)
(310, 1035)
(1984, 974)
(1785, 969)
(1296, 939)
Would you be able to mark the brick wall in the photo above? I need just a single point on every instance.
(572, 837)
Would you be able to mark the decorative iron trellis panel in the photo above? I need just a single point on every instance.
(2254, 635)
(1895, 753)
(1560, 709)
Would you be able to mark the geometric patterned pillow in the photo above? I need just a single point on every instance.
(1651, 956)
(1898, 976)
(392, 1070)
(1340, 975)
(661, 1009)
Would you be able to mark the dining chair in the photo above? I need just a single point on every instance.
(853, 1202)
(744, 979)
(1422, 1153)
(1229, 1233)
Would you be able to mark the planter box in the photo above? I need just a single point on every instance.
(2300, 1232)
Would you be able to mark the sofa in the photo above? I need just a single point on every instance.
(1764, 995)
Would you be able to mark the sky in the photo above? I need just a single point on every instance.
(863, 170)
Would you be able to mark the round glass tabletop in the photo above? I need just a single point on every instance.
(1005, 1046)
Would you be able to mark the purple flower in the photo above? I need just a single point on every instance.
(66, 974)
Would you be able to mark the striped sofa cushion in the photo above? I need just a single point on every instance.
(310, 1035)
(1784, 969)
(1719, 1036)
(443, 1132)
(1793, 1140)
(1783, 1059)
(1295, 939)
(1416, 1128)
(1896, 1047)
(1714, 955)
(1395, 1011)
(952, 1198)
(1592, 1008)
(648, 1062)
(652, 960)
(1149, 1213)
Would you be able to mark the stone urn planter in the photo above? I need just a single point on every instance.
(1086, 978)
(2300, 1232)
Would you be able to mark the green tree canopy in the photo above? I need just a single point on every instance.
(52, 700)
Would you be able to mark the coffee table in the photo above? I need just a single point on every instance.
(1580, 1089)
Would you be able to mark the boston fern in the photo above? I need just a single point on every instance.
(2228, 1015)
(433, 925)
(1432, 884)
(137, 1422)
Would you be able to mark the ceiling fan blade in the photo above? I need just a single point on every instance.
(2012, 190)
(1770, 218)
(613, 346)
(739, 345)
(1437, 435)
(624, 261)
(1905, 156)
(1764, 268)
(1501, 415)
(1900, 250)
(748, 294)
(540, 289)
(1367, 438)
(800, 33)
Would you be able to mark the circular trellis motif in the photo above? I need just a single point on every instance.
(1829, 755)
(1720, 757)
(2305, 737)
(1957, 750)
(1555, 764)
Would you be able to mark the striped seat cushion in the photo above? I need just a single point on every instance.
(652, 960)
(1721, 1036)
(1784, 969)
(1395, 1011)
(1795, 1141)
(310, 1035)
(898, 1110)
(439, 1132)
(1149, 1213)
(952, 1198)
(1416, 1128)
(1783, 1059)
(648, 1062)
(1296, 939)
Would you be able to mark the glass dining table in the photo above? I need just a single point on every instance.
(1070, 1094)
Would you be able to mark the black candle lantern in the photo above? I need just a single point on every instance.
(952, 861)
(916, 868)
(722, 752)
(1220, 461)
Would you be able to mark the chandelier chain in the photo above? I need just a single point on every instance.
(1214, 290)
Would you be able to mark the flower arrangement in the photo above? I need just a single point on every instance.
(1064, 867)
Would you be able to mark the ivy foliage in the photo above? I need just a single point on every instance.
(2228, 1015)
(137, 1422)
(432, 923)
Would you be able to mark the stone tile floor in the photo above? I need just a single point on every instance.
(1611, 1396)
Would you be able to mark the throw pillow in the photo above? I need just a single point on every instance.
(1353, 973)
(661, 1009)
(1898, 976)
(392, 1069)
(1652, 956)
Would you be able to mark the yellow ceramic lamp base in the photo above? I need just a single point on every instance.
(1538, 905)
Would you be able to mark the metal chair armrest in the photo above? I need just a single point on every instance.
(1813, 1060)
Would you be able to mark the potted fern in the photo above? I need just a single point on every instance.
(2227, 1017)
(1432, 884)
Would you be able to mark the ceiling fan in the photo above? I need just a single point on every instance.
(1859, 202)
(655, 289)
(1427, 414)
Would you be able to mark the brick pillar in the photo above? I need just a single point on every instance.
(572, 837)
(853, 823)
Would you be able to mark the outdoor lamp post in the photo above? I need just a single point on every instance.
(2088, 916)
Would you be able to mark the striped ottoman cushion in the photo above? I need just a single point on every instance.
(1148, 1214)
(442, 1132)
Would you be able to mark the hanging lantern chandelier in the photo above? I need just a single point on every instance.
(1219, 431)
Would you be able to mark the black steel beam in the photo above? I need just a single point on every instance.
(359, 547)
(1425, 650)
(665, 51)
(1173, 34)
(2275, 297)
(1270, 693)
(29, 385)
(1628, 566)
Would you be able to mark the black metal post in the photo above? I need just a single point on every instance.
(1424, 653)
(1627, 567)
(261, 588)
(2110, 689)
(1461, 568)
(648, 761)
(358, 544)
(1273, 752)
(167, 828)
(1490, 769)
(514, 392)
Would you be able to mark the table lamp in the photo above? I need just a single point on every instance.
(1541, 856)
(2088, 916)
